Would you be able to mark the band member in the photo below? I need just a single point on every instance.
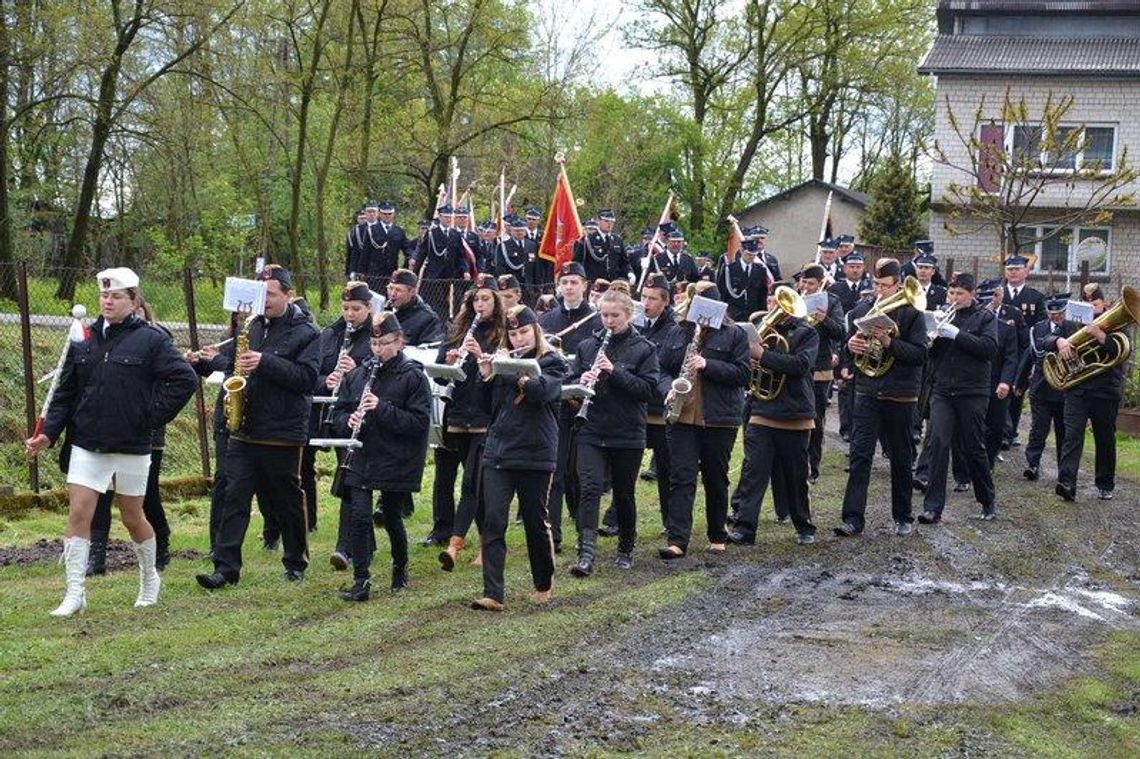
(611, 437)
(597, 289)
(390, 417)
(963, 348)
(849, 290)
(510, 291)
(488, 245)
(478, 329)
(705, 270)
(520, 456)
(534, 225)
(744, 282)
(1003, 376)
(675, 262)
(828, 253)
(516, 254)
(830, 327)
(152, 500)
(1095, 400)
(341, 347)
(925, 265)
(439, 256)
(1047, 405)
(1031, 303)
(264, 455)
(884, 405)
(115, 388)
(417, 320)
(778, 432)
(571, 321)
(923, 248)
(763, 255)
(612, 245)
(352, 243)
(702, 438)
(382, 242)
(849, 283)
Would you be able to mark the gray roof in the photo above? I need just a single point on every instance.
(860, 199)
(1038, 6)
(1035, 56)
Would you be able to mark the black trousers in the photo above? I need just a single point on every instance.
(309, 482)
(1043, 415)
(564, 483)
(815, 439)
(957, 422)
(779, 456)
(706, 450)
(363, 538)
(1015, 404)
(532, 488)
(891, 420)
(446, 519)
(272, 471)
(997, 412)
(1079, 411)
(623, 464)
(654, 440)
(846, 407)
(152, 501)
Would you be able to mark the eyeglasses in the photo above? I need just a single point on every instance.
(379, 342)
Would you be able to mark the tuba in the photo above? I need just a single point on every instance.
(766, 385)
(873, 363)
(233, 402)
(1091, 359)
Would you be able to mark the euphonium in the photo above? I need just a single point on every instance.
(766, 385)
(873, 363)
(1090, 358)
(233, 402)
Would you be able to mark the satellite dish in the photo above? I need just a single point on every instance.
(1093, 249)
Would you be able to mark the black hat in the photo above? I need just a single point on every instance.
(647, 232)
(828, 244)
(521, 316)
(925, 259)
(387, 207)
(515, 222)
(887, 267)
(964, 280)
(814, 271)
(279, 273)
(992, 283)
(486, 281)
(854, 257)
(446, 209)
(1057, 302)
(924, 246)
(600, 285)
(606, 214)
(760, 231)
(657, 282)
(590, 223)
(404, 277)
(1016, 261)
(371, 204)
(673, 232)
(461, 211)
(356, 291)
(424, 223)
(572, 269)
(711, 292)
(533, 213)
(509, 282)
(985, 294)
(386, 323)
(845, 240)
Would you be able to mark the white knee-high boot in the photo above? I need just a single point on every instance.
(149, 579)
(74, 560)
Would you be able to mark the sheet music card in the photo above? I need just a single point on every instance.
(868, 323)
(816, 302)
(245, 296)
(706, 311)
(1079, 311)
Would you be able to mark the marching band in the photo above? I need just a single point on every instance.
(553, 400)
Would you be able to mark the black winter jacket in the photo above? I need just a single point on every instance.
(395, 433)
(279, 392)
(659, 334)
(1004, 366)
(328, 353)
(961, 367)
(617, 413)
(908, 349)
(114, 391)
(419, 322)
(725, 376)
(797, 400)
(524, 435)
(465, 408)
(559, 318)
(831, 332)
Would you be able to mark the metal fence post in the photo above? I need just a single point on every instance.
(199, 398)
(29, 374)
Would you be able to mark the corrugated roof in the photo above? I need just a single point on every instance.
(1094, 57)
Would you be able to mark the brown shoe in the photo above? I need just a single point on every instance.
(717, 547)
(449, 555)
(543, 596)
(478, 560)
(487, 604)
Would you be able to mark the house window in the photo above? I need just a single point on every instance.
(1065, 249)
(1093, 147)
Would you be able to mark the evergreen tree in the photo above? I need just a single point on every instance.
(894, 220)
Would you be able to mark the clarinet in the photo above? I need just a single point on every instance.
(326, 413)
(460, 359)
(354, 443)
(584, 411)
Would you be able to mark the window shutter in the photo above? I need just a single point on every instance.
(991, 140)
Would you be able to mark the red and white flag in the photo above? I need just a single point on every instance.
(563, 227)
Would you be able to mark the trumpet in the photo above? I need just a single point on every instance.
(872, 362)
(941, 317)
(766, 385)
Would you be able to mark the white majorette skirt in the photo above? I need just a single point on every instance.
(127, 471)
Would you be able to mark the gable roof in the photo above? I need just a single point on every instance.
(860, 199)
(1035, 56)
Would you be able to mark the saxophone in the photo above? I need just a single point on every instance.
(682, 387)
(233, 402)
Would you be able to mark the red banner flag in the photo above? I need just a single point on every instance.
(563, 227)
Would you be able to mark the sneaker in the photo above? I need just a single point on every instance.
(847, 530)
(294, 575)
(961, 487)
(902, 529)
(360, 591)
(1104, 495)
(339, 561)
(929, 517)
(623, 561)
(805, 538)
(608, 531)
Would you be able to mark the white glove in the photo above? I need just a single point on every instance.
(947, 330)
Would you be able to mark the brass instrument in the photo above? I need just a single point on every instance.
(233, 402)
(1090, 358)
(873, 363)
(766, 385)
(682, 387)
(944, 316)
